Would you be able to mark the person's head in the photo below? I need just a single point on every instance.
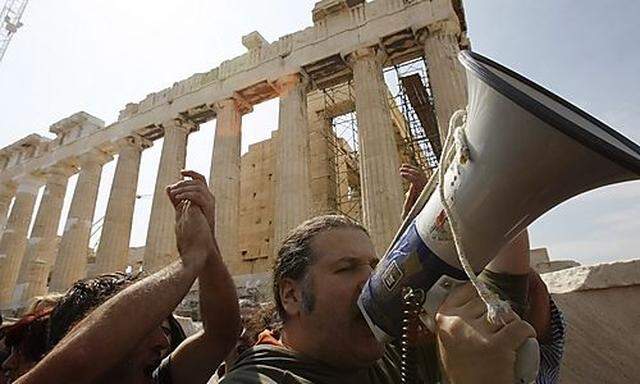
(42, 303)
(26, 343)
(83, 297)
(317, 278)
(86, 295)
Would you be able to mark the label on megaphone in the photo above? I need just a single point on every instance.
(410, 263)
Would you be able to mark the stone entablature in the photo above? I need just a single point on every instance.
(23, 151)
(392, 25)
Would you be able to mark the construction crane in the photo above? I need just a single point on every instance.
(10, 22)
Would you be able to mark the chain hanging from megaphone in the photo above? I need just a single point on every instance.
(411, 302)
(456, 150)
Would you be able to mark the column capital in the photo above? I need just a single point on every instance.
(180, 123)
(30, 183)
(7, 189)
(364, 53)
(236, 101)
(439, 28)
(287, 83)
(134, 141)
(60, 172)
(94, 157)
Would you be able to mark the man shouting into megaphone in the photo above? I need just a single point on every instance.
(321, 268)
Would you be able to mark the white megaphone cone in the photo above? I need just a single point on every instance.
(520, 152)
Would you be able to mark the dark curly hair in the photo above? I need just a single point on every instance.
(295, 256)
(29, 334)
(82, 298)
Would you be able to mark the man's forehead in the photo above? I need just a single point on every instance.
(342, 244)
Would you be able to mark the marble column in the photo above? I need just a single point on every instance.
(14, 238)
(6, 195)
(71, 263)
(447, 77)
(113, 250)
(37, 275)
(42, 243)
(322, 166)
(161, 239)
(293, 191)
(382, 194)
(224, 179)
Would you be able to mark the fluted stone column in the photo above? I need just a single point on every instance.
(14, 237)
(37, 275)
(42, 243)
(161, 240)
(322, 167)
(293, 192)
(6, 195)
(71, 263)
(113, 250)
(382, 195)
(224, 179)
(446, 75)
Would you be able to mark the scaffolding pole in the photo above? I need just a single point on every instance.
(414, 145)
(418, 141)
(339, 104)
(10, 22)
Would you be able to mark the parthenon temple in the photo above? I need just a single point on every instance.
(369, 86)
(327, 76)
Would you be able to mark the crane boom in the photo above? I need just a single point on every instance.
(10, 22)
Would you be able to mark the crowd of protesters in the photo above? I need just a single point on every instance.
(120, 328)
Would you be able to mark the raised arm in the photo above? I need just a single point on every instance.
(116, 327)
(513, 260)
(511, 272)
(197, 359)
(417, 181)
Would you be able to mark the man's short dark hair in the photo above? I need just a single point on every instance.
(84, 296)
(295, 256)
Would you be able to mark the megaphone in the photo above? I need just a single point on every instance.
(526, 151)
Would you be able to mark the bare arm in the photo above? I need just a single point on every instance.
(199, 356)
(107, 334)
(513, 259)
(417, 181)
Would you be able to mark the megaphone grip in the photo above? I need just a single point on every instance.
(527, 362)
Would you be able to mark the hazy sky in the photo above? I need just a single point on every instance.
(97, 55)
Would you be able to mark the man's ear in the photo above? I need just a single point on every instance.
(291, 297)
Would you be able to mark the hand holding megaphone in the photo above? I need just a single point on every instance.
(463, 333)
(521, 151)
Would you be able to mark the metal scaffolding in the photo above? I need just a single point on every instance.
(10, 22)
(422, 140)
(339, 106)
(411, 109)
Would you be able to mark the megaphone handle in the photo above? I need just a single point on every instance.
(527, 356)
(527, 362)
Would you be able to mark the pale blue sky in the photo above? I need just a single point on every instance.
(97, 55)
